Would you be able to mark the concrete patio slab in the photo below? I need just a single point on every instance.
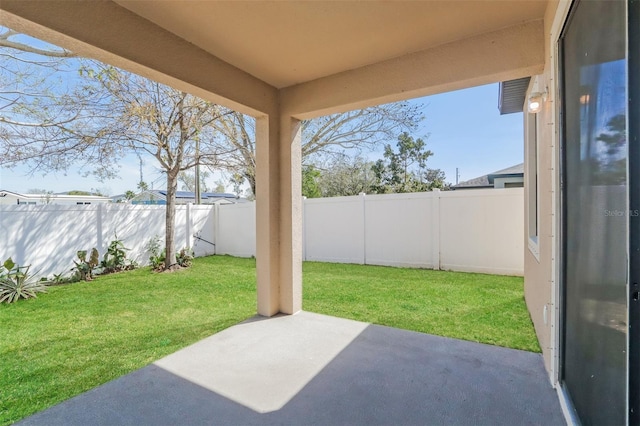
(322, 370)
(263, 364)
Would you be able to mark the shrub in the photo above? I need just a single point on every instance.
(185, 257)
(16, 282)
(84, 268)
(156, 254)
(61, 278)
(115, 259)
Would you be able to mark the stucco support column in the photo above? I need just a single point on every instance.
(278, 215)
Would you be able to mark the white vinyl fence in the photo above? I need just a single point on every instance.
(48, 236)
(472, 230)
(478, 230)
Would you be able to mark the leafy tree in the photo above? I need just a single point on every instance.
(344, 176)
(310, 187)
(142, 186)
(435, 178)
(129, 195)
(405, 168)
(609, 165)
(236, 180)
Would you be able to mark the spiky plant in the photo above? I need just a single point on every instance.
(16, 282)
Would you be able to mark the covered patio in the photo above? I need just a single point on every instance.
(315, 369)
(284, 62)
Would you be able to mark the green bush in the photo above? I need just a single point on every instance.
(185, 257)
(60, 279)
(115, 259)
(85, 267)
(157, 256)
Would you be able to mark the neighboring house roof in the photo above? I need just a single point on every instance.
(188, 196)
(486, 181)
(204, 195)
(61, 197)
(513, 171)
(4, 193)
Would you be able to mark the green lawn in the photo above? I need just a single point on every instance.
(78, 336)
(478, 307)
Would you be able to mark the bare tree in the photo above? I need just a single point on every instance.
(322, 137)
(236, 131)
(8, 38)
(50, 121)
(188, 181)
(45, 195)
(149, 118)
(47, 120)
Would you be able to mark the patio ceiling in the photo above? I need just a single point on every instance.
(288, 43)
(320, 57)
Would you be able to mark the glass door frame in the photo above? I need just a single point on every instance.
(633, 173)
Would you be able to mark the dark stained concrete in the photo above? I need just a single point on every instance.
(385, 376)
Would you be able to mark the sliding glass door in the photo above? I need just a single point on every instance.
(595, 211)
(633, 30)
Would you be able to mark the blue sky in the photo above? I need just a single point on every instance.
(467, 131)
(464, 129)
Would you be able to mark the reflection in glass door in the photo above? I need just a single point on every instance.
(595, 211)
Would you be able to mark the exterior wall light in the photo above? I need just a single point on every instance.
(534, 105)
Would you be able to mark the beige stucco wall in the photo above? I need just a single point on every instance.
(541, 259)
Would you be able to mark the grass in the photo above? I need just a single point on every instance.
(81, 335)
(477, 307)
(78, 336)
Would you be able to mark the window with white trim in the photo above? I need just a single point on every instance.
(532, 184)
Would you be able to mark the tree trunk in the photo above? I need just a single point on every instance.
(172, 187)
(252, 184)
